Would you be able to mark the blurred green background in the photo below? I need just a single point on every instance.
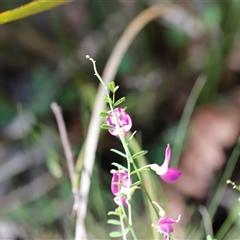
(42, 59)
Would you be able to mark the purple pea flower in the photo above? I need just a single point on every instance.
(164, 224)
(165, 227)
(124, 122)
(120, 186)
(166, 173)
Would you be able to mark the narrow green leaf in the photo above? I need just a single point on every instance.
(29, 9)
(121, 100)
(136, 184)
(140, 170)
(119, 166)
(210, 238)
(105, 114)
(133, 134)
(139, 154)
(119, 234)
(126, 231)
(115, 234)
(113, 213)
(107, 127)
(107, 100)
(111, 86)
(114, 222)
(116, 88)
(118, 152)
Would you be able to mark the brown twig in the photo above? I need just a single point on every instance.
(64, 139)
(70, 163)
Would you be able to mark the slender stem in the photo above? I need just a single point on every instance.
(222, 186)
(121, 135)
(130, 227)
(129, 213)
(185, 119)
(64, 139)
(229, 221)
(68, 153)
(122, 227)
(140, 169)
(206, 220)
(146, 184)
(113, 98)
(133, 233)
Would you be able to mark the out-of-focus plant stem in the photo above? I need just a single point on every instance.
(29, 9)
(185, 119)
(222, 185)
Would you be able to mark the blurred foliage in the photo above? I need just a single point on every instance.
(43, 60)
(29, 9)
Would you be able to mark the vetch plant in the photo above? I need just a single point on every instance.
(121, 186)
(165, 224)
(123, 119)
(166, 173)
(119, 124)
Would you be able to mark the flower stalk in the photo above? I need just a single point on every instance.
(119, 124)
(121, 135)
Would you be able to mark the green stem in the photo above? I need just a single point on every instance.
(130, 227)
(129, 213)
(232, 217)
(122, 227)
(121, 135)
(147, 184)
(145, 168)
(185, 119)
(222, 186)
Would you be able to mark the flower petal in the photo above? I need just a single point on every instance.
(166, 228)
(168, 154)
(162, 170)
(120, 201)
(128, 124)
(121, 186)
(126, 181)
(164, 225)
(171, 175)
(123, 119)
(115, 188)
(166, 220)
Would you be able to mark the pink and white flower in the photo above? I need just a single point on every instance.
(123, 119)
(120, 186)
(166, 173)
(164, 226)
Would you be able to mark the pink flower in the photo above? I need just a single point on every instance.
(165, 227)
(120, 186)
(124, 122)
(120, 201)
(164, 224)
(166, 173)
